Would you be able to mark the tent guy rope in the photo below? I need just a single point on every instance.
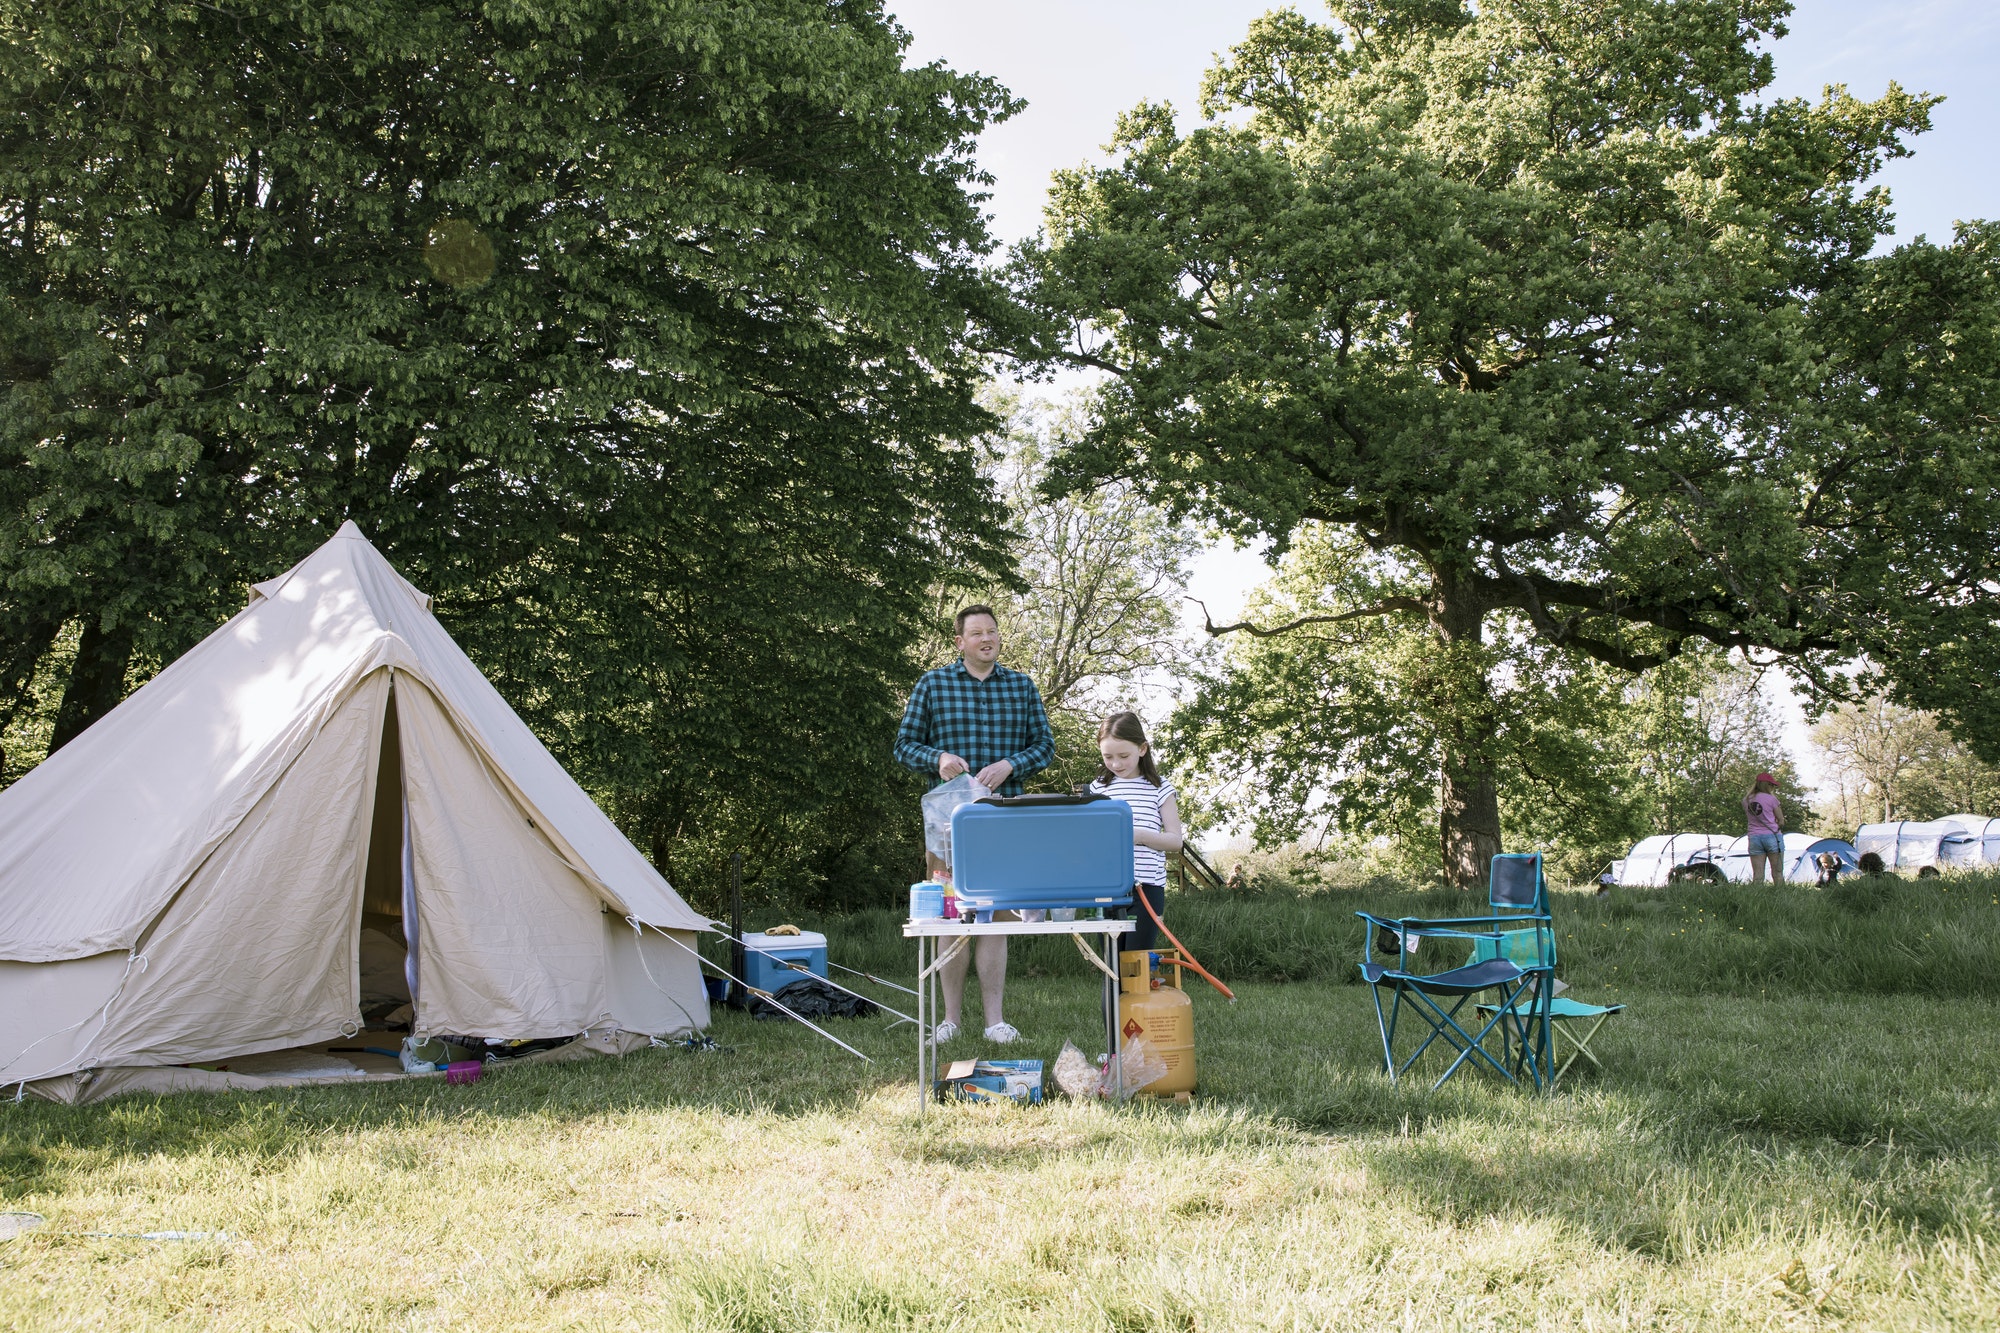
(720, 930)
(768, 997)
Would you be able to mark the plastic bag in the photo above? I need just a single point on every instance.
(1140, 1064)
(1074, 1074)
(939, 803)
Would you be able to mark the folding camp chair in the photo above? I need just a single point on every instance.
(1520, 974)
(1565, 1016)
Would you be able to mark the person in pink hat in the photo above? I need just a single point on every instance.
(1767, 828)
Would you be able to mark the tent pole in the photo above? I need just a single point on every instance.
(739, 943)
(737, 962)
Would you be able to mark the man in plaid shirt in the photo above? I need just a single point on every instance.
(979, 717)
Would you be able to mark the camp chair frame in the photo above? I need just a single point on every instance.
(1518, 893)
(1564, 1016)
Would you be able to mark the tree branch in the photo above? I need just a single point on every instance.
(1386, 606)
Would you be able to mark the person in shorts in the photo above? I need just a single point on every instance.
(976, 716)
(1766, 827)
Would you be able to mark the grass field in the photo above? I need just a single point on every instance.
(1798, 1127)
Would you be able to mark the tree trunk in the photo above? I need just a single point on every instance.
(1469, 806)
(96, 681)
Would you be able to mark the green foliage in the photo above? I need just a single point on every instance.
(1694, 734)
(1091, 607)
(1332, 733)
(1536, 298)
(1102, 571)
(640, 335)
(28, 719)
(1908, 504)
(1889, 762)
(1335, 730)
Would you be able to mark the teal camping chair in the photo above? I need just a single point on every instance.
(1570, 1021)
(1517, 973)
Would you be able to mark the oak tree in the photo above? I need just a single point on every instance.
(1539, 298)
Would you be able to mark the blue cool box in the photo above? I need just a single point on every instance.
(771, 962)
(1042, 851)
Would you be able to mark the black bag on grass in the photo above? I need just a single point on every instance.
(809, 997)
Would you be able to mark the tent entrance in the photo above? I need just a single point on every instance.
(388, 973)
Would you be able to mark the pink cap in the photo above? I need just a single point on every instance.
(1765, 777)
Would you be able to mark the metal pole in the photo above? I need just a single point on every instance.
(1111, 1020)
(736, 957)
(923, 1028)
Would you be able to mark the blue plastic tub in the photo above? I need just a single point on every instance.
(768, 959)
(1042, 851)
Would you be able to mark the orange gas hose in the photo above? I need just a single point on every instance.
(1187, 958)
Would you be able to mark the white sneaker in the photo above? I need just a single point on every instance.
(1002, 1034)
(944, 1032)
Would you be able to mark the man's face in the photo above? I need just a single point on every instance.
(979, 641)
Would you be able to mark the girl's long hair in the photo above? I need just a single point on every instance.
(1128, 727)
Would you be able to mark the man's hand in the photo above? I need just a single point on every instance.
(950, 766)
(991, 776)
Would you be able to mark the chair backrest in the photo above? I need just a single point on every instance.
(1516, 946)
(1517, 884)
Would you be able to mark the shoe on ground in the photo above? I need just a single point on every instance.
(1003, 1034)
(944, 1032)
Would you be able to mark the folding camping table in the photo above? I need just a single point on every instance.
(932, 953)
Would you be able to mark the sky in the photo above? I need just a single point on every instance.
(1080, 63)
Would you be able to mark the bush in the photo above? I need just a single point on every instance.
(1884, 937)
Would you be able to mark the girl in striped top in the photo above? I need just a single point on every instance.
(1129, 775)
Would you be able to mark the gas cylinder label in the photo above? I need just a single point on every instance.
(1132, 1028)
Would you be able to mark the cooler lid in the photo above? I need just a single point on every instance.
(805, 939)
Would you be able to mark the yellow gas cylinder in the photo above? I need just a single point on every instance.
(1161, 1013)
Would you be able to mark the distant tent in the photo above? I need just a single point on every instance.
(324, 787)
(1664, 857)
(1913, 845)
(1800, 862)
(1981, 846)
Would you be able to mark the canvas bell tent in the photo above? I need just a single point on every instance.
(1664, 857)
(323, 803)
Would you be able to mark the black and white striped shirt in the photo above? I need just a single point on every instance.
(1149, 864)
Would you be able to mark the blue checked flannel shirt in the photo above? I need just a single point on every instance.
(981, 721)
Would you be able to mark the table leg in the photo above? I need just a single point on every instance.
(1111, 1019)
(923, 1027)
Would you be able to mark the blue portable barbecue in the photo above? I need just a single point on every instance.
(1014, 852)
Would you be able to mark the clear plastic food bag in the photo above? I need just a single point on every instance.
(939, 803)
(1140, 1064)
(1074, 1074)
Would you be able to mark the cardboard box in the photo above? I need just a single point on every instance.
(992, 1080)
